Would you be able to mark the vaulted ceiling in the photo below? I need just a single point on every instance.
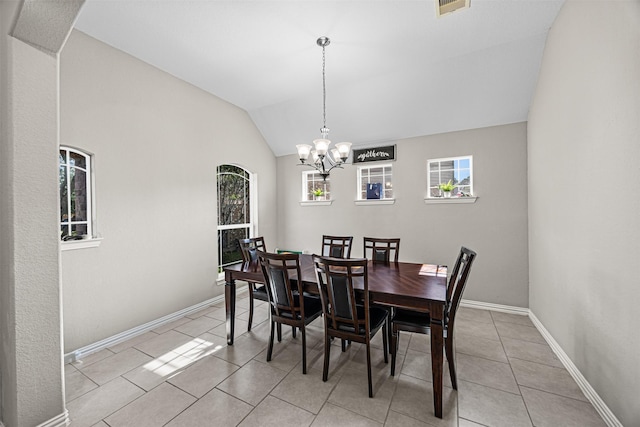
(393, 69)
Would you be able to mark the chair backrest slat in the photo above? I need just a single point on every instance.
(336, 246)
(381, 249)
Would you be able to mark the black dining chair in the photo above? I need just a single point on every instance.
(413, 321)
(287, 302)
(344, 316)
(337, 246)
(249, 249)
(381, 250)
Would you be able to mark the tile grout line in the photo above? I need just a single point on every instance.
(526, 407)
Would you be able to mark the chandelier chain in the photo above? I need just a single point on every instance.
(324, 93)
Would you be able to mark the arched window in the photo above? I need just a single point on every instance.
(235, 217)
(75, 194)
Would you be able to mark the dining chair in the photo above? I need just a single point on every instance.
(381, 250)
(413, 321)
(288, 304)
(249, 249)
(344, 317)
(337, 246)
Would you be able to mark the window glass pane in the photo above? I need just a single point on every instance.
(228, 249)
(446, 176)
(64, 214)
(463, 176)
(233, 199)
(77, 160)
(434, 179)
(62, 156)
(446, 165)
(464, 163)
(78, 188)
(79, 229)
(64, 231)
(388, 190)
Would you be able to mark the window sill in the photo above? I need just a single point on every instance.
(445, 200)
(375, 202)
(316, 203)
(80, 244)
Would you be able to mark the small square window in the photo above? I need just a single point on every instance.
(76, 216)
(455, 173)
(314, 188)
(375, 182)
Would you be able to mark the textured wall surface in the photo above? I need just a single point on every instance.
(31, 358)
(583, 208)
(157, 141)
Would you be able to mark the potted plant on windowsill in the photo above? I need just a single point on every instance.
(447, 188)
(318, 194)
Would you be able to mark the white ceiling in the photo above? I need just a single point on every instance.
(393, 70)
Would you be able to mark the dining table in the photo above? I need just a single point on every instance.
(420, 287)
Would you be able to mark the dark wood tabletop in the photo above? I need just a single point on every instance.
(410, 285)
(403, 284)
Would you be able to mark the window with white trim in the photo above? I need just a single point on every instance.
(314, 188)
(458, 171)
(76, 220)
(375, 182)
(235, 212)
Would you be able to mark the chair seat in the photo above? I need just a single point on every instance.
(377, 316)
(312, 307)
(260, 292)
(413, 318)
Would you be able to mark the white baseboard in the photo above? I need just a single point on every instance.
(138, 330)
(593, 397)
(494, 307)
(603, 410)
(61, 420)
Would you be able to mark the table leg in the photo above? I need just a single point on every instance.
(437, 360)
(230, 307)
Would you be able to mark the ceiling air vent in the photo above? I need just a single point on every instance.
(448, 6)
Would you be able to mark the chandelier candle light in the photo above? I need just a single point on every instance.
(341, 152)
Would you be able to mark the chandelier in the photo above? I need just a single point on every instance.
(340, 153)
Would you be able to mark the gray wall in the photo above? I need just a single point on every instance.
(584, 146)
(157, 141)
(495, 226)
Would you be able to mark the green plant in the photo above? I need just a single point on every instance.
(449, 186)
(318, 192)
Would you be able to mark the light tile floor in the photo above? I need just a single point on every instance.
(184, 374)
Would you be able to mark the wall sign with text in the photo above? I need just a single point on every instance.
(374, 154)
